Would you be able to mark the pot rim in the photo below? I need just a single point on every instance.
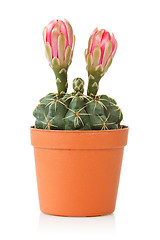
(124, 128)
(84, 140)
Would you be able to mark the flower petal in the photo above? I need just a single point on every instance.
(49, 29)
(54, 40)
(115, 48)
(105, 38)
(90, 41)
(108, 64)
(44, 34)
(61, 46)
(95, 31)
(89, 61)
(96, 40)
(48, 52)
(113, 40)
(68, 54)
(70, 33)
(107, 52)
(63, 29)
(96, 55)
(85, 54)
(74, 39)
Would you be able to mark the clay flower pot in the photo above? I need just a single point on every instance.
(78, 171)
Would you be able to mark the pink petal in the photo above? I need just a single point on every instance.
(54, 46)
(93, 40)
(49, 29)
(63, 30)
(113, 42)
(69, 32)
(105, 37)
(95, 31)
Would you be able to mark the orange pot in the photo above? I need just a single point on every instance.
(78, 171)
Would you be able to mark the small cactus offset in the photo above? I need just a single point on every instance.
(78, 86)
(76, 111)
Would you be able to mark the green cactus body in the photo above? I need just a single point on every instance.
(105, 114)
(51, 111)
(77, 118)
(77, 111)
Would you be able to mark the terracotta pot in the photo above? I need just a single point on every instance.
(78, 171)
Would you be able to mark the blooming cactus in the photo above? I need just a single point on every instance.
(101, 49)
(76, 111)
(59, 44)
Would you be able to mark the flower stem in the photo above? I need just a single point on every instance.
(93, 85)
(61, 80)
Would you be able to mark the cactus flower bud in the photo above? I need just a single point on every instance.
(101, 49)
(59, 45)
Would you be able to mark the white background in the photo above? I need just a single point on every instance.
(133, 80)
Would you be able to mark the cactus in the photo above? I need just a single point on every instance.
(76, 111)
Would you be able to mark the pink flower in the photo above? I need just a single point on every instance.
(59, 40)
(102, 46)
